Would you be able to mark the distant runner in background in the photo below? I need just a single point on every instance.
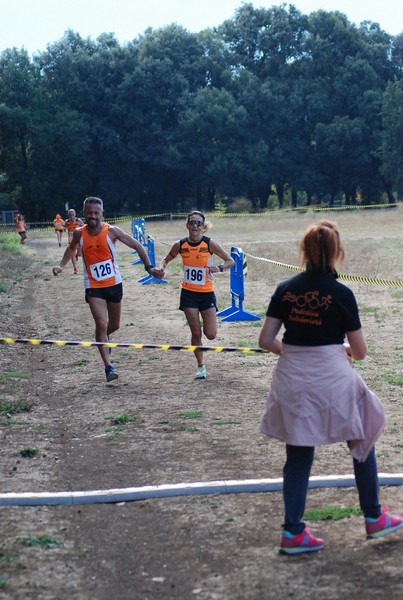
(59, 227)
(21, 229)
(70, 224)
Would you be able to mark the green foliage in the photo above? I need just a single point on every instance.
(28, 452)
(331, 513)
(80, 362)
(11, 374)
(42, 541)
(191, 414)
(122, 419)
(114, 429)
(240, 205)
(392, 137)
(10, 242)
(369, 309)
(273, 99)
(14, 407)
(392, 378)
(189, 428)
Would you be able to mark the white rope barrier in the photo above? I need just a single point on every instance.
(180, 489)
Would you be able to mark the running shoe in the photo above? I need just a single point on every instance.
(201, 372)
(110, 373)
(384, 525)
(297, 544)
(75, 271)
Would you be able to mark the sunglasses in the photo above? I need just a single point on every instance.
(195, 223)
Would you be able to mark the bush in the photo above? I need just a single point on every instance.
(240, 205)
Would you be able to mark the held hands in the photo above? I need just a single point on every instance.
(157, 272)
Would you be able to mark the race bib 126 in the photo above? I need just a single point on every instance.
(102, 270)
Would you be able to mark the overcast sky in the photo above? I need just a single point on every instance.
(33, 24)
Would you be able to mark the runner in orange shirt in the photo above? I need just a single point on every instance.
(197, 294)
(21, 229)
(59, 226)
(102, 278)
(70, 225)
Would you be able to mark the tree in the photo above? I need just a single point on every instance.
(391, 150)
(167, 70)
(211, 143)
(264, 41)
(80, 79)
(270, 98)
(20, 101)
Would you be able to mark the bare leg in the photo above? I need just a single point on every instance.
(209, 327)
(114, 311)
(107, 320)
(209, 317)
(193, 319)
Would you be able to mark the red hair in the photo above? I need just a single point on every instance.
(320, 247)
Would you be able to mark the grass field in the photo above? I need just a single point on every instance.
(63, 428)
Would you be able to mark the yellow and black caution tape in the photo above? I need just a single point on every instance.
(37, 227)
(34, 342)
(372, 280)
(303, 209)
(48, 225)
(357, 278)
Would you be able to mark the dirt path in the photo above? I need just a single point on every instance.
(205, 547)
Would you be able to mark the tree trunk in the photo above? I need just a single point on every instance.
(211, 199)
(280, 194)
(294, 196)
(389, 193)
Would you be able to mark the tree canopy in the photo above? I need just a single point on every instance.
(271, 100)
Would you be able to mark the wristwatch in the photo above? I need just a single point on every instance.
(148, 267)
(221, 267)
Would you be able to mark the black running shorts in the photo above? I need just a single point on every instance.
(114, 293)
(200, 300)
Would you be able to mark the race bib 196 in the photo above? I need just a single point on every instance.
(102, 270)
(194, 275)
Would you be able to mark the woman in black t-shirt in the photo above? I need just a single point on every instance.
(316, 397)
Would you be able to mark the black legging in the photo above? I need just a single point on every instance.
(296, 478)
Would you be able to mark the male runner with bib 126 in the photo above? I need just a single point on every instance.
(102, 279)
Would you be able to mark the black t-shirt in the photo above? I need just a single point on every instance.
(316, 310)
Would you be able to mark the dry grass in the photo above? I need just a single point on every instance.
(225, 546)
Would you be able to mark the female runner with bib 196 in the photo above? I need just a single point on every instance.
(197, 295)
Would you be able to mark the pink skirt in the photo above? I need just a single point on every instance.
(316, 397)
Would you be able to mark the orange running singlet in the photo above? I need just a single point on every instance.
(21, 226)
(58, 224)
(71, 226)
(196, 258)
(98, 252)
